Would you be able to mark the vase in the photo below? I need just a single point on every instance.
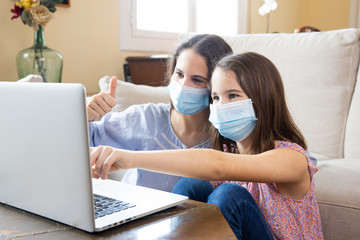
(40, 60)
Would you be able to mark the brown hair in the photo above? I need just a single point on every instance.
(262, 83)
(209, 46)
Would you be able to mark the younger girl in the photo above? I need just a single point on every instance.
(263, 182)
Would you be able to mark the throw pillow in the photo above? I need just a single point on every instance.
(128, 94)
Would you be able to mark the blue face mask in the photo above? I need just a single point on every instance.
(235, 120)
(188, 100)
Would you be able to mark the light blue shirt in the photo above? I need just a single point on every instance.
(140, 127)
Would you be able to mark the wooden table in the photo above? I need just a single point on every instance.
(190, 220)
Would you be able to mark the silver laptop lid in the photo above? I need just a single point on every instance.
(44, 151)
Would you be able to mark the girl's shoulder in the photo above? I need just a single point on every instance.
(298, 148)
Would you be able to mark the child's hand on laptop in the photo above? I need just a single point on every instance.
(103, 102)
(105, 159)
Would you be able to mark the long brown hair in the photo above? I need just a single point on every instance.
(262, 83)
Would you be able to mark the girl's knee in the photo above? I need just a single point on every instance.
(186, 184)
(191, 181)
(228, 194)
(195, 189)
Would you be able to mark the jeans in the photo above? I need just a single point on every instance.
(235, 203)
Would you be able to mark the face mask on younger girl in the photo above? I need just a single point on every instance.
(235, 120)
(188, 100)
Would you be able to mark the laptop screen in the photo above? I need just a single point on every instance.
(44, 150)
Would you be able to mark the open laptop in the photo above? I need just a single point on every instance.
(44, 161)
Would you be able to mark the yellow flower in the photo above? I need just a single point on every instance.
(27, 4)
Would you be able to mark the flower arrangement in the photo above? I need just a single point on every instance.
(34, 13)
(38, 59)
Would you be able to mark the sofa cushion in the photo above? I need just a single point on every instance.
(319, 71)
(128, 94)
(352, 140)
(338, 196)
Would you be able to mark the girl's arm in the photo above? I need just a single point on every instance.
(281, 166)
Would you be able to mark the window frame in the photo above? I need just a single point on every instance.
(133, 39)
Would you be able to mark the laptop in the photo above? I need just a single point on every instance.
(45, 167)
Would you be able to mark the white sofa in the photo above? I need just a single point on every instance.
(320, 75)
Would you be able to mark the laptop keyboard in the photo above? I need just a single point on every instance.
(106, 206)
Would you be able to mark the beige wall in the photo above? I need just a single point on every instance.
(326, 14)
(290, 14)
(87, 34)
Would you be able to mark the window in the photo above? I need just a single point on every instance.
(154, 25)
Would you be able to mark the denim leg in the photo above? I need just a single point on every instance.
(240, 211)
(195, 189)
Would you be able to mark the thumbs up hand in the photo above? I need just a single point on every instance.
(103, 102)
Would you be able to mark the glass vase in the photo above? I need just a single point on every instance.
(40, 60)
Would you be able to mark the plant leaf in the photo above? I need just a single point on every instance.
(25, 17)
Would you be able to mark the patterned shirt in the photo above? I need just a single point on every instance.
(287, 218)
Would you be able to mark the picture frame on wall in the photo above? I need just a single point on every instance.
(66, 3)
